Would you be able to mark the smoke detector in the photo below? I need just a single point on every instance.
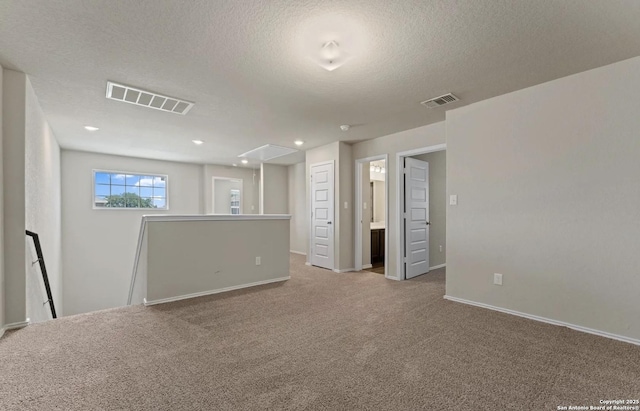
(149, 99)
(440, 101)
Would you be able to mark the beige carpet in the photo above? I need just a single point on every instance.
(319, 341)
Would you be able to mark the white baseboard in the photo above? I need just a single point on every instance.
(307, 263)
(217, 291)
(546, 320)
(1, 331)
(435, 267)
(364, 267)
(346, 270)
(14, 326)
(297, 252)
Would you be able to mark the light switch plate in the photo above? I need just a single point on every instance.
(497, 279)
(346, 205)
(453, 199)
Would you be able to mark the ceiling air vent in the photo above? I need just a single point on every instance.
(440, 101)
(139, 97)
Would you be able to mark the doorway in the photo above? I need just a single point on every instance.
(421, 201)
(372, 215)
(226, 195)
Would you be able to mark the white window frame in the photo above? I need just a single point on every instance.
(135, 173)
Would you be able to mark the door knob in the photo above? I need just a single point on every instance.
(328, 222)
(428, 223)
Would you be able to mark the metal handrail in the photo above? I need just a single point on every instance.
(43, 268)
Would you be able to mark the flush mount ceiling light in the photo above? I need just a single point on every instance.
(298, 142)
(91, 128)
(345, 127)
(244, 161)
(197, 142)
(331, 56)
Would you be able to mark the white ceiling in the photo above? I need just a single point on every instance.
(246, 65)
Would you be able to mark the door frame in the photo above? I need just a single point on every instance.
(359, 163)
(400, 156)
(213, 192)
(310, 210)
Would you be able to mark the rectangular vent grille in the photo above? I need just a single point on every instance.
(139, 97)
(440, 101)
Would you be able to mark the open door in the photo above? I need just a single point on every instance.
(416, 217)
(321, 235)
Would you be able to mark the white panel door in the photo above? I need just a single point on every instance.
(416, 193)
(322, 191)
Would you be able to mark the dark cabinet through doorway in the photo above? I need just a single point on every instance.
(377, 246)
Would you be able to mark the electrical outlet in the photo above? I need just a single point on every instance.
(346, 205)
(440, 248)
(258, 261)
(453, 199)
(497, 279)
(364, 205)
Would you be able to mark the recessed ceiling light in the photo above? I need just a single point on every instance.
(299, 142)
(245, 161)
(91, 128)
(197, 142)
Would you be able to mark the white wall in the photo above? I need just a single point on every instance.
(274, 189)
(200, 252)
(2, 286)
(99, 245)
(406, 140)
(299, 226)
(345, 218)
(13, 163)
(437, 205)
(548, 182)
(42, 209)
(250, 186)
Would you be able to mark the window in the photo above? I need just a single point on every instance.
(235, 201)
(124, 190)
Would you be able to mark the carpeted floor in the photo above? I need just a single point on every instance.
(318, 341)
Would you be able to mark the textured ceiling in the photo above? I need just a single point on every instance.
(247, 65)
